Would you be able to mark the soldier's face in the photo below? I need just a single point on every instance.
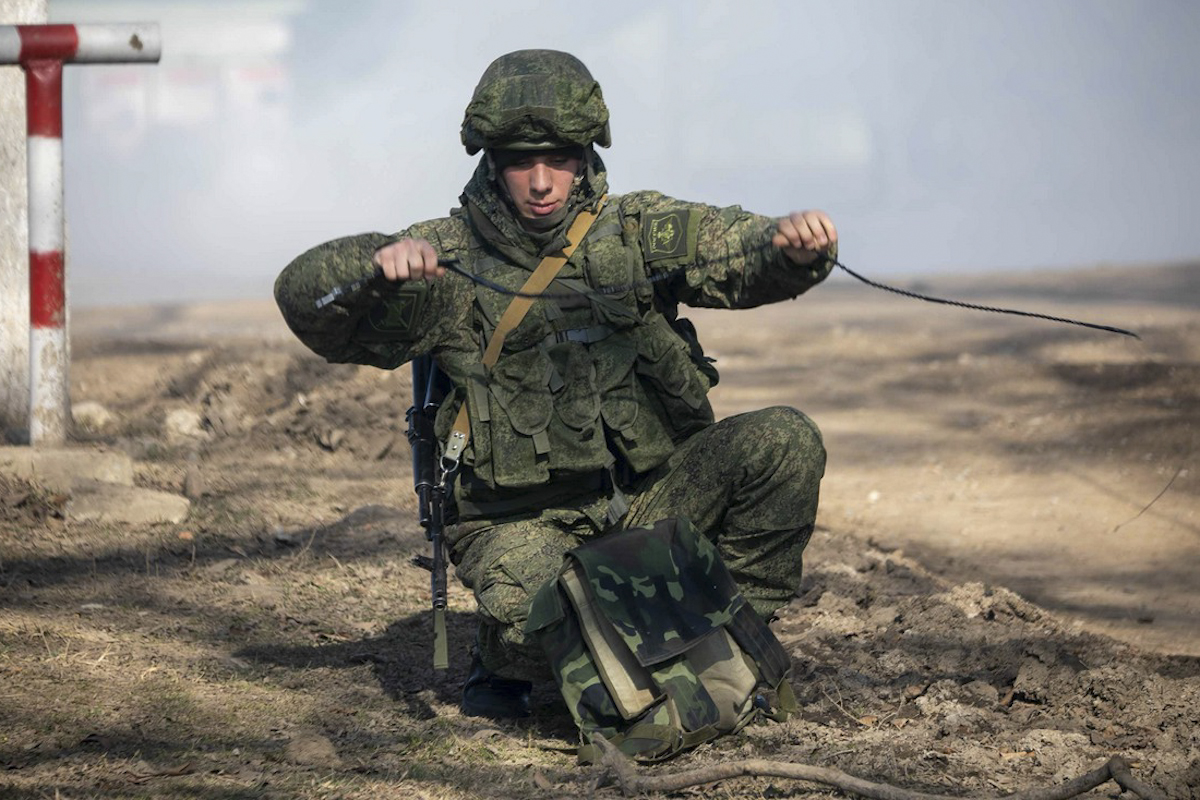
(539, 181)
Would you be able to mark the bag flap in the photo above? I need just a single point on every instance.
(663, 588)
(629, 684)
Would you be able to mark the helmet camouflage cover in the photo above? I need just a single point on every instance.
(535, 99)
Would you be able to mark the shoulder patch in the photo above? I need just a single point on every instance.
(668, 234)
(397, 313)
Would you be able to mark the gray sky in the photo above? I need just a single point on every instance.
(940, 135)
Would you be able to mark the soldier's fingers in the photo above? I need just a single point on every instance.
(822, 227)
(428, 257)
(407, 261)
(812, 230)
(830, 230)
(808, 239)
(385, 259)
(791, 236)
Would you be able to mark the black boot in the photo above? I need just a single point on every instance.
(486, 694)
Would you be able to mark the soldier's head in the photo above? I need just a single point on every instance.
(537, 113)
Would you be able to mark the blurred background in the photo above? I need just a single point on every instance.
(941, 136)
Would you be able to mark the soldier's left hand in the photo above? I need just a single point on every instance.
(803, 235)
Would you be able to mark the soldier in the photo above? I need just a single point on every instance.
(591, 415)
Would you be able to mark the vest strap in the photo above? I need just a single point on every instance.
(589, 335)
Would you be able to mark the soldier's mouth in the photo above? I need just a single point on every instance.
(543, 209)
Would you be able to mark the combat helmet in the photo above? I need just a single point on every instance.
(535, 99)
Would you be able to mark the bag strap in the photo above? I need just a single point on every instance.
(785, 698)
(550, 266)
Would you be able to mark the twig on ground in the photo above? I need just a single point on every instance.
(1157, 497)
(838, 705)
(631, 783)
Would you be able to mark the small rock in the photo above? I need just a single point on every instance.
(193, 483)
(331, 438)
(883, 616)
(224, 416)
(1032, 683)
(183, 426)
(310, 748)
(91, 416)
(284, 538)
(93, 501)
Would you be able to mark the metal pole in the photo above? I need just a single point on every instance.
(41, 50)
(48, 386)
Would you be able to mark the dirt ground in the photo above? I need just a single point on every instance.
(1001, 593)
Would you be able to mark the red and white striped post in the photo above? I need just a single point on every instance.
(41, 50)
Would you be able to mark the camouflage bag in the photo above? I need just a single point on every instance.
(653, 646)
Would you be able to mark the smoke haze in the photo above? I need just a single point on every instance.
(941, 136)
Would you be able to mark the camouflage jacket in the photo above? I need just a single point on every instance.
(581, 381)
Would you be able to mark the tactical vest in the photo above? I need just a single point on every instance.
(580, 381)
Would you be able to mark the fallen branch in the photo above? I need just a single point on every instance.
(631, 783)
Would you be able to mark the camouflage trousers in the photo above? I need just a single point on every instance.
(749, 483)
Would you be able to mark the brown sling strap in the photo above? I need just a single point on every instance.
(541, 278)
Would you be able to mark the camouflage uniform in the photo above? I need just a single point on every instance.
(597, 399)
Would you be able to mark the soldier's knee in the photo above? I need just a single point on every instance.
(793, 431)
(504, 604)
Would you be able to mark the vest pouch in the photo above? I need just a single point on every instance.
(618, 386)
(576, 401)
(666, 366)
(609, 268)
(643, 439)
(577, 441)
(652, 645)
(519, 411)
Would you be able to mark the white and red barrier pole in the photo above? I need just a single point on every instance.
(41, 50)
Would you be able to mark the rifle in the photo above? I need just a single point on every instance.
(430, 386)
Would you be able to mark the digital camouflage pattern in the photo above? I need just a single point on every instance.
(535, 98)
(651, 644)
(749, 484)
(594, 398)
(553, 407)
(733, 266)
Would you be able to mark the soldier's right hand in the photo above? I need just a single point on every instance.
(408, 260)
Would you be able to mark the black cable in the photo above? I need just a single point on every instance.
(452, 265)
(976, 307)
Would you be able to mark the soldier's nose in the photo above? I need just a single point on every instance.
(539, 179)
